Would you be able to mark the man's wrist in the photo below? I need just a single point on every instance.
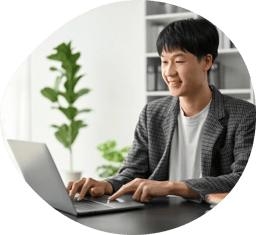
(108, 187)
(170, 187)
(175, 188)
(181, 189)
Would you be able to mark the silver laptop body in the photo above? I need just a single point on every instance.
(40, 172)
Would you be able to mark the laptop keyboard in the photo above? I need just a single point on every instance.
(87, 204)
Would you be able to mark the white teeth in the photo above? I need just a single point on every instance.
(176, 82)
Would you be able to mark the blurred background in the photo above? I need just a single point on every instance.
(116, 43)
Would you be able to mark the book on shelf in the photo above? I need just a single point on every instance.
(155, 29)
(151, 78)
(224, 41)
(160, 84)
(220, 38)
(232, 44)
(170, 8)
(214, 75)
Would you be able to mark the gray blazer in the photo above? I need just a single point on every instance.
(226, 146)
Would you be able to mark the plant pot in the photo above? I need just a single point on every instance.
(72, 176)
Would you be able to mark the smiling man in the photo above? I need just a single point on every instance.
(192, 143)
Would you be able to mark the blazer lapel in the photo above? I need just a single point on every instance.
(170, 121)
(168, 126)
(212, 131)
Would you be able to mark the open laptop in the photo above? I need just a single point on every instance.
(40, 172)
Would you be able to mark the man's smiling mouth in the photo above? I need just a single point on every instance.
(176, 82)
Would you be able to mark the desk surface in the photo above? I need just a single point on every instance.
(159, 215)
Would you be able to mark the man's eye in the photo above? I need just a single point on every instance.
(164, 62)
(180, 61)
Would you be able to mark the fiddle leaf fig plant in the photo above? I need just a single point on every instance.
(111, 154)
(67, 75)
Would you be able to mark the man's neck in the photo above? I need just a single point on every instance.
(194, 104)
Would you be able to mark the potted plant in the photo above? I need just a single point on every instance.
(111, 154)
(66, 133)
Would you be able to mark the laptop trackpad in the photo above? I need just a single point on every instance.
(104, 199)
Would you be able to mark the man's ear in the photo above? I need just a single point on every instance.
(207, 62)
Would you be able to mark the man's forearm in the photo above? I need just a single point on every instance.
(173, 188)
(181, 189)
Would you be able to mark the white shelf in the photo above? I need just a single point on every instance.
(168, 18)
(158, 93)
(181, 15)
(223, 91)
(230, 51)
(235, 91)
(152, 55)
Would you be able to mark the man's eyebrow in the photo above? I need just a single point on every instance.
(176, 55)
(179, 54)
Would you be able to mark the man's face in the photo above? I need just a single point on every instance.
(182, 72)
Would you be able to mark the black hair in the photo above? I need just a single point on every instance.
(197, 36)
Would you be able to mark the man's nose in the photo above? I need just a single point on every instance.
(170, 71)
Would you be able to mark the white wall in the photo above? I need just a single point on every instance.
(111, 41)
(16, 108)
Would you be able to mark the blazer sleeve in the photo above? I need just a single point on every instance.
(243, 143)
(136, 164)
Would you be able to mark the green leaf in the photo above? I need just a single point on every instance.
(113, 156)
(71, 97)
(83, 125)
(107, 170)
(70, 112)
(108, 146)
(71, 83)
(84, 111)
(81, 93)
(77, 79)
(125, 150)
(62, 135)
(64, 55)
(67, 134)
(76, 68)
(110, 153)
(69, 70)
(57, 83)
(67, 97)
(75, 57)
(50, 94)
(65, 48)
(55, 126)
(59, 57)
(53, 69)
(75, 126)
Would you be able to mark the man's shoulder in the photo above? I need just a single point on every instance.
(156, 110)
(238, 106)
(161, 104)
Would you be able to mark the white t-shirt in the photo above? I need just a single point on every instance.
(185, 154)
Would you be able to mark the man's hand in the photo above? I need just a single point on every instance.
(144, 190)
(94, 187)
